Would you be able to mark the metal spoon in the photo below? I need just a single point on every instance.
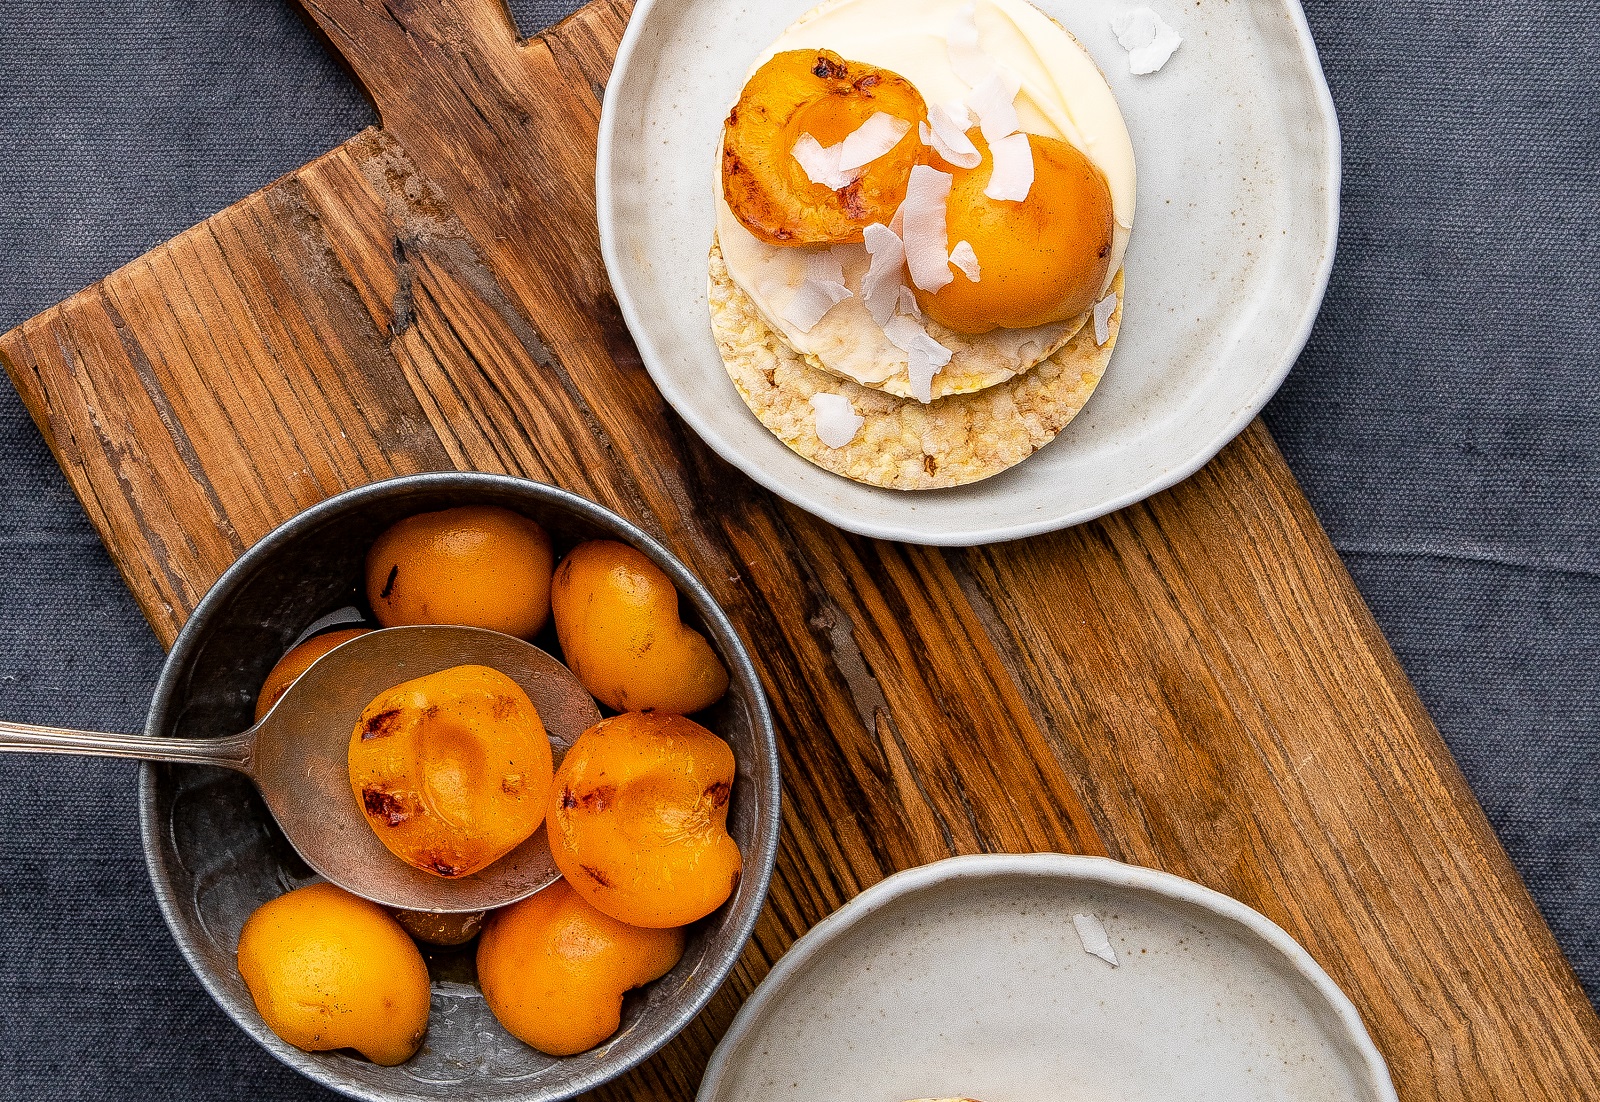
(297, 756)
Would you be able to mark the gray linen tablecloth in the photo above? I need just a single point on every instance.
(1445, 422)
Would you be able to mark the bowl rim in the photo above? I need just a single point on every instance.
(1068, 867)
(728, 642)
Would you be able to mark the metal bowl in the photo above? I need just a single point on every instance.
(215, 854)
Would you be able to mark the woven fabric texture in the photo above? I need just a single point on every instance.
(1445, 422)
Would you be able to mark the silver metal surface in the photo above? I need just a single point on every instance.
(215, 853)
(301, 764)
(26, 738)
(298, 757)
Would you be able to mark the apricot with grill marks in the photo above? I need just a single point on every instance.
(639, 819)
(816, 92)
(452, 770)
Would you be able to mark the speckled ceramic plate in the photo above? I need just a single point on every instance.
(1238, 157)
(968, 978)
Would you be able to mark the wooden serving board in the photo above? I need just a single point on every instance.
(1193, 683)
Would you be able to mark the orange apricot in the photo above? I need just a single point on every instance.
(477, 565)
(328, 970)
(1042, 260)
(452, 770)
(296, 662)
(639, 819)
(815, 92)
(617, 619)
(554, 970)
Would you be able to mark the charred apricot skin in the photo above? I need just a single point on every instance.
(639, 819)
(451, 770)
(616, 616)
(815, 92)
(554, 970)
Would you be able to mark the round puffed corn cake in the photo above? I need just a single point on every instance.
(903, 444)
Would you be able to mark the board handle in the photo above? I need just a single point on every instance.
(396, 49)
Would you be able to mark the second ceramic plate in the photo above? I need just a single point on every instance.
(969, 979)
(1238, 158)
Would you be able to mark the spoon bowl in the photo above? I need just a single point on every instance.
(299, 761)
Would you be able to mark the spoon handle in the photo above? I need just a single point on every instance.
(232, 752)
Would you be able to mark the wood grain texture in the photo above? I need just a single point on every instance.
(1192, 684)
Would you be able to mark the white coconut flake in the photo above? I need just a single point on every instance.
(995, 103)
(1012, 178)
(822, 290)
(926, 356)
(967, 58)
(947, 135)
(1150, 42)
(826, 266)
(810, 305)
(881, 287)
(926, 236)
(1093, 936)
(821, 163)
(959, 114)
(1102, 318)
(837, 421)
(875, 137)
(839, 166)
(908, 303)
(965, 257)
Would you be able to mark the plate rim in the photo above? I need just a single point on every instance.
(1070, 867)
(871, 526)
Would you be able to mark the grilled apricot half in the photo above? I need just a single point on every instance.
(819, 93)
(451, 769)
(639, 820)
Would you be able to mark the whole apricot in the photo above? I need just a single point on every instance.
(616, 615)
(328, 970)
(452, 770)
(639, 819)
(477, 565)
(296, 662)
(554, 970)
